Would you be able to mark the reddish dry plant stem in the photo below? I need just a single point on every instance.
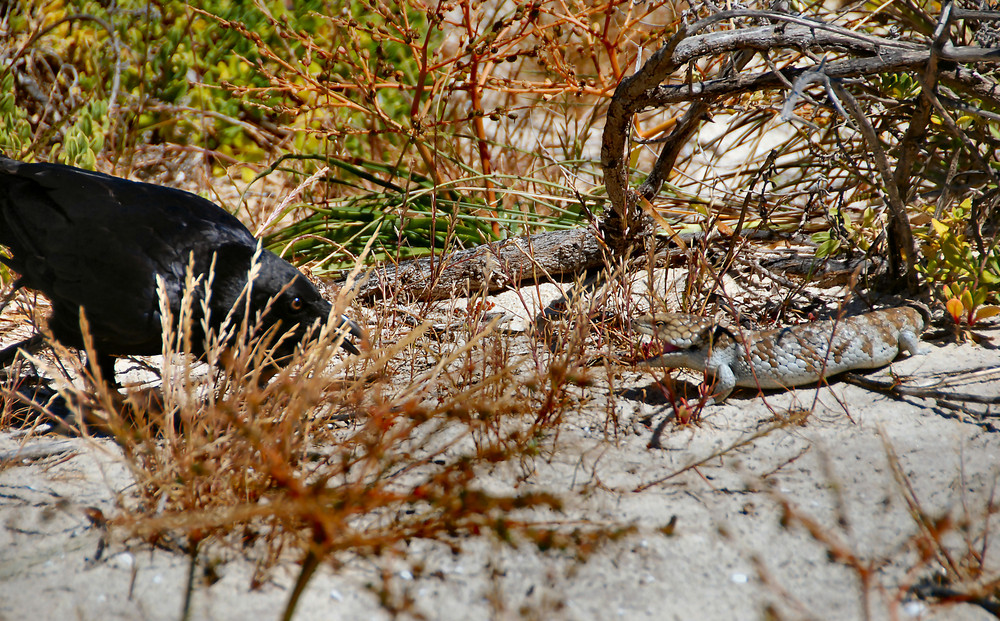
(477, 118)
(611, 48)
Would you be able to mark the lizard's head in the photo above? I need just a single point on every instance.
(676, 333)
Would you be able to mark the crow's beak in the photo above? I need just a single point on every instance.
(348, 327)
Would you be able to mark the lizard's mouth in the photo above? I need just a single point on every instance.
(653, 349)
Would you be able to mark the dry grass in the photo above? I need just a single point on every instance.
(338, 454)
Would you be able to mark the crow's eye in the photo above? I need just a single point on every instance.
(296, 304)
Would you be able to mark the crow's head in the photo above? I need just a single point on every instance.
(285, 298)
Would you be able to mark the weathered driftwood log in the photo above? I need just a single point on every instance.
(493, 266)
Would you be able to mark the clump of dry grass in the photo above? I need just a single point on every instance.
(335, 454)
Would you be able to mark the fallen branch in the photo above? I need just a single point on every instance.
(493, 266)
(896, 389)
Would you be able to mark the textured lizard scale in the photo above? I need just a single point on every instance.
(783, 357)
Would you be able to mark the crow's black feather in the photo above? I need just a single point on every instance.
(93, 241)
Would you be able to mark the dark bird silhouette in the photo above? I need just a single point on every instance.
(92, 241)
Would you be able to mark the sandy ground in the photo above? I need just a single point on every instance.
(731, 553)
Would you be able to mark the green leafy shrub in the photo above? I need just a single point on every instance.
(966, 277)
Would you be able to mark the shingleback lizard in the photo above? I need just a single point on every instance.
(783, 357)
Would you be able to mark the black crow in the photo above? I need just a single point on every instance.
(92, 241)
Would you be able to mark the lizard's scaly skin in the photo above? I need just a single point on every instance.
(784, 357)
